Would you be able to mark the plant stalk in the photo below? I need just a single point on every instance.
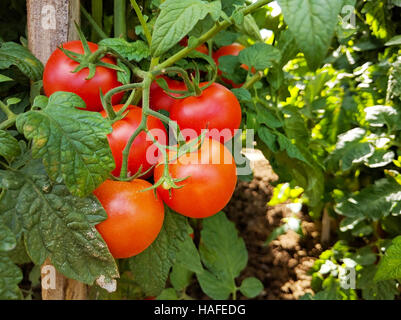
(120, 24)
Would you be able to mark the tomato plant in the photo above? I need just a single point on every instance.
(313, 85)
(134, 217)
(59, 75)
(211, 173)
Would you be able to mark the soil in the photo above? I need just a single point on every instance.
(283, 265)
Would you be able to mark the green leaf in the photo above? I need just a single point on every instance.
(168, 294)
(56, 224)
(375, 290)
(9, 147)
(180, 277)
(151, 267)
(268, 137)
(373, 202)
(380, 158)
(291, 149)
(390, 263)
(7, 239)
(223, 254)
(260, 56)
(350, 149)
(225, 38)
(10, 276)
(313, 22)
(378, 116)
(243, 95)
(250, 28)
(267, 117)
(377, 14)
(188, 255)
(14, 54)
(394, 41)
(251, 287)
(137, 50)
(73, 143)
(4, 78)
(176, 19)
(228, 6)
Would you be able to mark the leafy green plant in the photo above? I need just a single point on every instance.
(321, 93)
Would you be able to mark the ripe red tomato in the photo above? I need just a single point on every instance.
(216, 108)
(233, 49)
(58, 76)
(211, 183)
(202, 48)
(143, 151)
(159, 100)
(134, 218)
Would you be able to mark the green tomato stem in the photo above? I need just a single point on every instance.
(142, 21)
(255, 78)
(210, 34)
(120, 25)
(96, 28)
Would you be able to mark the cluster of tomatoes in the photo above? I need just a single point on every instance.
(206, 177)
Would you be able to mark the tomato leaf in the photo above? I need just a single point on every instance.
(9, 147)
(376, 290)
(137, 50)
(7, 239)
(73, 143)
(351, 149)
(14, 54)
(223, 254)
(176, 19)
(151, 267)
(313, 22)
(56, 224)
(251, 287)
(374, 202)
(260, 56)
(10, 276)
(390, 263)
(180, 277)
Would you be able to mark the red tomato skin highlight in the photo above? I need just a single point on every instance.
(123, 130)
(58, 76)
(216, 108)
(210, 185)
(134, 218)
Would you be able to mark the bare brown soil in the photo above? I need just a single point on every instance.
(282, 266)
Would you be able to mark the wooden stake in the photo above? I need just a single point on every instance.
(51, 23)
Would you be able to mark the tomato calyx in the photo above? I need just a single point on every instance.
(89, 59)
(192, 81)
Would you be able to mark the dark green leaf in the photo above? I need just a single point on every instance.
(251, 287)
(176, 19)
(260, 56)
(73, 143)
(374, 202)
(137, 50)
(313, 22)
(390, 263)
(151, 267)
(9, 147)
(224, 255)
(56, 224)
